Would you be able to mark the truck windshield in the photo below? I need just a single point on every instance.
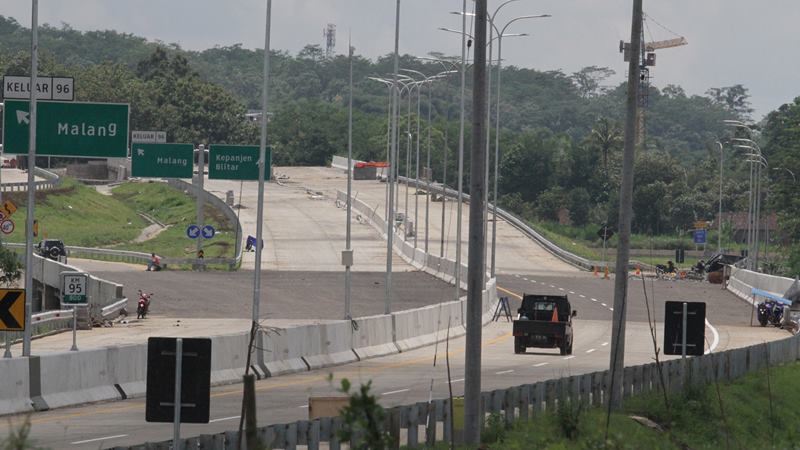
(542, 306)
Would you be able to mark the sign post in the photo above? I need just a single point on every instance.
(74, 294)
(95, 130)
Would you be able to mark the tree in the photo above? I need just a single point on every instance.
(588, 79)
(734, 98)
(10, 266)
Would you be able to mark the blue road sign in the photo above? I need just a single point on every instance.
(193, 231)
(700, 236)
(208, 232)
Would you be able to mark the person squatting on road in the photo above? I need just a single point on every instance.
(154, 264)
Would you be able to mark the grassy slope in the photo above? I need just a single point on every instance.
(81, 216)
(693, 419)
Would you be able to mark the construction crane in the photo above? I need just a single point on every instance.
(647, 59)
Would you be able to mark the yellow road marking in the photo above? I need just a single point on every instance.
(271, 386)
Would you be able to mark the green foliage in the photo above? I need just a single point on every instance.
(494, 430)
(363, 420)
(569, 418)
(10, 266)
(19, 437)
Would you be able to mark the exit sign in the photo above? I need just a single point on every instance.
(236, 162)
(67, 129)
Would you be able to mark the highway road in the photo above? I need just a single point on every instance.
(406, 377)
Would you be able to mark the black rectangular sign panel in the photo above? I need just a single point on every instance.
(195, 380)
(695, 328)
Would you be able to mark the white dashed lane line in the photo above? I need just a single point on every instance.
(590, 350)
(541, 364)
(568, 357)
(222, 419)
(396, 392)
(560, 289)
(594, 299)
(503, 372)
(552, 286)
(603, 304)
(571, 292)
(457, 380)
(604, 344)
(98, 439)
(582, 296)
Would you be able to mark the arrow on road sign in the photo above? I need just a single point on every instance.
(12, 309)
(192, 231)
(22, 116)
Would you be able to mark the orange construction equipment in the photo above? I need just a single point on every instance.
(606, 274)
(555, 314)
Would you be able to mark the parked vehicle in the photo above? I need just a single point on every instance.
(770, 312)
(544, 321)
(143, 306)
(52, 248)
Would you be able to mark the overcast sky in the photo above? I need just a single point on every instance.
(730, 41)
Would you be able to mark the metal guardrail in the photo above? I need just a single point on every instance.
(45, 323)
(419, 423)
(51, 180)
(114, 308)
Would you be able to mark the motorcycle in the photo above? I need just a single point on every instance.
(770, 312)
(143, 306)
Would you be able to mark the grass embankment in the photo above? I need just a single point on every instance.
(81, 216)
(752, 419)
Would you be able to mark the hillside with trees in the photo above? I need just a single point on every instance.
(561, 140)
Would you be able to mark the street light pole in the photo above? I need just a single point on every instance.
(719, 217)
(390, 218)
(348, 250)
(26, 339)
(461, 148)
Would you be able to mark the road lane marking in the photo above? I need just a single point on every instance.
(560, 289)
(590, 350)
(399, 391)
(552, 286)
(715, 341)
(610, 308)
(603, 304)
(541, 364)
(303, 406)
(516, 275)
(569, 357)
(98, 439)
(503, 372)
(513, 294)
(582, 296)
(594, 299)
(458, 380)
(524, 278)
(604, 344)
(571, 292)
(221, 419)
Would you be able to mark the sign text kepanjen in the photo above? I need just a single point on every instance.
(149, 137)
(236, 162)
(47, 88)
(94, 130)
(162, 160)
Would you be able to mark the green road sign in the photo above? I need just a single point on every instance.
(236, 162)
(74, 288)
(67, 129)
(162, 160)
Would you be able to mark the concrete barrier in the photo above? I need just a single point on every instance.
(374, 336)
(15, 386)
(742, 281)
(73, 378)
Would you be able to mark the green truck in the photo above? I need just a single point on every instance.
(544, 321)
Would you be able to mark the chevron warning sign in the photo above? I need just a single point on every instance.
(12, 309)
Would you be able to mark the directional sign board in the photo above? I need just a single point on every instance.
(149, 137)
(695, 328)
(195, 380)
(236, 162)
(193, 231)
(605, 233)
(208, 232)
(94, 130)
(47, 88)
(700, 236)
(162, 160)
(12, 309)
(73, 288)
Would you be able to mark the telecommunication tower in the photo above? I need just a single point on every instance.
(329, 33)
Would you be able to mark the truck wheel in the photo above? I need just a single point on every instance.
(563, 348)
(569, 349)
(518, 347)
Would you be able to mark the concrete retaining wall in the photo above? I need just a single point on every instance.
(15, 385)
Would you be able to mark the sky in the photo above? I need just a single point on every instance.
(730, 41)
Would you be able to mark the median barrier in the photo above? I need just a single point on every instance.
(229, 357)
(15, 386)
(374, 336)
(328, 344)
(742, 281)
(72, 378)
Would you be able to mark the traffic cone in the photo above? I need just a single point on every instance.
(555, 315)
(606, 274)
(595, 270)
(638, 270)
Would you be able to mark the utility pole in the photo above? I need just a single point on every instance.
(347, 256)
(387, 308)
(477, 236)
(617, 357)
(26, 339)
